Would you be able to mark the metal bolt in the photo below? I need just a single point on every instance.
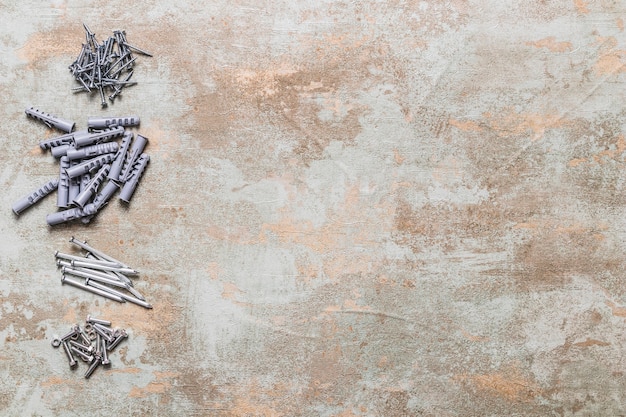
(102, 333)
(83, 348)
(84, 336)
(84, 356)
(123, 335)
(70, 357)
(94, 320)
(105, 354)
(94, 364)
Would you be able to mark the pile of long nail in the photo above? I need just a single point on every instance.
(88, 159)
(91, 343)
(106, 67)
(99, 273)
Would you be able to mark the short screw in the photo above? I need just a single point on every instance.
(94, 364)
(123, 335)
(84, 356)
(70, 357)
(84, 348)
(105, 354)
(94, 320)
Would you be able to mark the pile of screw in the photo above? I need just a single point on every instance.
(99, 273)
(106, 66)
(91, 343)
(88, 159)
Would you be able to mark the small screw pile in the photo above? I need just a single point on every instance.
(99, 273)
(93, 166)
(91, 343)
(106, 66)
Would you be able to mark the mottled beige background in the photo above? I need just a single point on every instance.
(399, 208)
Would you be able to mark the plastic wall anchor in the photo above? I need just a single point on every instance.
(89, 138)
(74, 189)
(50, 120)
(129, 187)
(91, 188)
(139, 144)
(93, 150)
(120, 157)
(64, 183)
(56, 141)
(71, 214)
(105, 194)
(104, 122)
(85, 179)
(35, 196)
(59, 151)
(86, 166)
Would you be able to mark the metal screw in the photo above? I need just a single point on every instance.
(84, 348)
(94, 364)
(84, 356)
(102, 333)
(94, 320)
(68, 352)
(123, 335)
(105, 354)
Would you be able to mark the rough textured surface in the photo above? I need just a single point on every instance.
(401, 208)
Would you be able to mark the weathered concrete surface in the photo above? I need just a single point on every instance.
(352, 209)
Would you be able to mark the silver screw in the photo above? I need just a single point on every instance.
(84, 348)
(70, 357)
(123, 335)
(99, 330)
(84, 356)
(94, 320)
(94, 364)
(105, 354)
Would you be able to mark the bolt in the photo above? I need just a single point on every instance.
(105, 354)
(68, 352)
(99, 330)
(84, 336)
(123, 335)
(98, 344)
(94, 364)
(84, 356)
(84, 348)
(94, 320)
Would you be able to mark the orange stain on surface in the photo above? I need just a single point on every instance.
(511, 122)
(551, 44)
(465, 126)
(581, 6)
(611, 60)
(160, 385)
(591, 342)
(508, 384)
